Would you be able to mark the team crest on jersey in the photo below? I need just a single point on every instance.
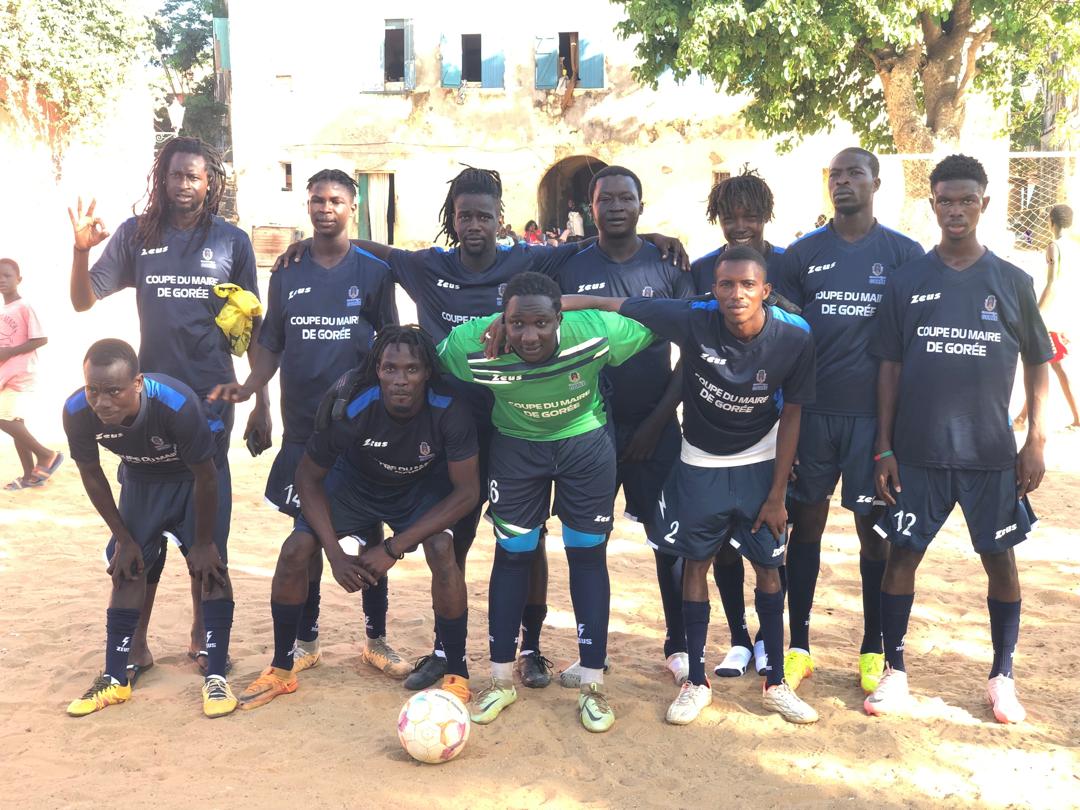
(425, 451)
(575, 381)
(499, 295)
(352, 298)
(989, 309)
(877, 273)
(208, 259)
(158, 442)
(759, 380)
(648, 292)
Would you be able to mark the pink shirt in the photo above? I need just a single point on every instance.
(18, 324)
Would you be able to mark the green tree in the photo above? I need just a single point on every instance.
(898, 71)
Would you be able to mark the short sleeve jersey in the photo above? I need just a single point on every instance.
(957, 334)
(390, 453)
(322, 321)
(168, 435)
(175, 296)
(839, 285)
(638, 384)
(703, 270)
(447, 293)
(555, 399)
(18, 324)
(730, 388)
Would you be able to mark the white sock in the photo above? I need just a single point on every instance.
(502, 672)
(591, 676)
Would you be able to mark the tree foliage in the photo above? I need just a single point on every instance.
(898, 71)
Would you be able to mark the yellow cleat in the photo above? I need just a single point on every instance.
(492, 699)
(271, 683)
(798, 666)
(103, 692)
(218, 699)
(871, 668)
(306, 655)
(456, 686)
(595, 711)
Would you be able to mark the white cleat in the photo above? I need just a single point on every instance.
(688, 705)
(1001, 692)
(891, 696)
(783, 700)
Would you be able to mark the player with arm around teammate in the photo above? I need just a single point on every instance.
(168, 486)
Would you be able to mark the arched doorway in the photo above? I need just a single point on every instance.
(565, 182)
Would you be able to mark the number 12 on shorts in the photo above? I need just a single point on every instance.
(903, 518)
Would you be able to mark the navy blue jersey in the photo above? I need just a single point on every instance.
(175, 297)
(730, 388)
(838, 285)
(322, 321)
(958, 333)
(703, 270)
(447, 293)
(637, 385)
(168, 435)
(390, 453)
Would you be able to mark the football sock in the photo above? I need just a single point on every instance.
(895, 612)
(871, 572)
(286, 618)
(508, 589)
(217, 618)
(669, 570)
(590, 592)
(770, 611)
(729, 581)
(1004, 632)
(120, 624)
(453, 633)
(782, 571)
(696, 621)
(803, 561)
(308, 628)
(376, 601)
(532, 621)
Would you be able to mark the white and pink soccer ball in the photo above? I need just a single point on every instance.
(433, 726)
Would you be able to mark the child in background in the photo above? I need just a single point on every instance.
(21, 336)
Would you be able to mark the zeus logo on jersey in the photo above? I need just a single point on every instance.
(100, 436)
(919, 299)
(817, 268)
(602, 519)
(154, 251)
(446, 285)
(587, 287)
(373, 443)
(710, 356)
(299, 291)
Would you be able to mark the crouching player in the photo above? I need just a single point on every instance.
(739, 441)
(169, 486)
(404, 453)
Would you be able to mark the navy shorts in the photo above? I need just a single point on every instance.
(280, 485)
(641, 481)
(831, 446)
(702, 508)
(996, 520)
(154, 509)
(358, 506)
(583, 471)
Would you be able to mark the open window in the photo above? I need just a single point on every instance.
(395, 70)
(471, 60)
(571, 57)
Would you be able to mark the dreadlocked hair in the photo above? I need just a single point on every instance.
(394, 335)
(469, 181)
(746, 190)
(154, 217)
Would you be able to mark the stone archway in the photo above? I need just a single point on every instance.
(566, 181)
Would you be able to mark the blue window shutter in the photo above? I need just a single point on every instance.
(547, 62)
(450, 51)
(590, 64)
(492, 65)
(410, 58)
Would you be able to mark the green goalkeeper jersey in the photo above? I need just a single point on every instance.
(560, 397)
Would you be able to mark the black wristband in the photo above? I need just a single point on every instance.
(390, 551)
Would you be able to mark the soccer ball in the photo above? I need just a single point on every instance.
(433, 726)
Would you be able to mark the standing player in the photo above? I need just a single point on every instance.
(550, 428)
(730, 482)
(173, 255)
(155, 424)
(642, 392)
(949, 333)
(403, 454)
(321, 318)
(837, 275)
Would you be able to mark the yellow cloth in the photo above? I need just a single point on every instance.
(236, 317)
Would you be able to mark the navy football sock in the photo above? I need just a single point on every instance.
(895, 612)
(376, 601)
(453, 633)
(729, 581)
(532, 621)
(217, 618)
(1004, 632)
(590, 592)
(120, 624)
(508, 589)
(770, 611)
(871, 572)
(803, 561)
(286, 618)
(669, 570)
(696, 622)
(308, 627)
